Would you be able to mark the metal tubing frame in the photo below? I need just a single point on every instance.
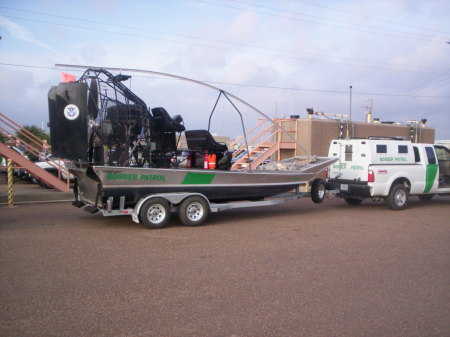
(228, 94)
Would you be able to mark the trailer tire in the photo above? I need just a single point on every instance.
(318, 191)
(426, 197)
(398, 197)
(155, 213)
(353, 201)
(193, 211)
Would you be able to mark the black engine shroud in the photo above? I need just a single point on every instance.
(99, 121)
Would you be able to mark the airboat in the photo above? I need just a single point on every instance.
(122, 155)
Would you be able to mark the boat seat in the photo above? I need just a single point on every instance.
(201, 140)
(165, 123)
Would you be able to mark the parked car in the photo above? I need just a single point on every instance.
(51, 169)
(182, 159)
(2, 164)
(18, 171)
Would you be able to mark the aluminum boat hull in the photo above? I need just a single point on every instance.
(97, 183)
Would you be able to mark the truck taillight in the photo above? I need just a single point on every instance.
(370, 176)
(326, 173)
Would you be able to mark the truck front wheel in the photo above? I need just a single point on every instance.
(398, 197)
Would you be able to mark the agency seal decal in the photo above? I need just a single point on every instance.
(71, 112)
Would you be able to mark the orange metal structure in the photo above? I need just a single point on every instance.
(10, 129)
(264, 141)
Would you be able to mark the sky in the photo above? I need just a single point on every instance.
(281, 56)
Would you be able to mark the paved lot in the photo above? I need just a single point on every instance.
(299, 269)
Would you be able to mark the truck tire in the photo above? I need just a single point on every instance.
(426, 197)
(353, 201)
(155, 213)
(193, 211)
(318, 191)
(398, 197)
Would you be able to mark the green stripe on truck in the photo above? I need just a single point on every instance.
(430, 177)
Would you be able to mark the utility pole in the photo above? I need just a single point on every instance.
(349, 114)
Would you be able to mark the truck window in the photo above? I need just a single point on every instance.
(442, 153)
(381, 148)
(403, 149)
(416, 154)
(430, 154)
(348, 152)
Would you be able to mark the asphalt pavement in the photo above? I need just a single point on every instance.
(298, 269)
(24, 191)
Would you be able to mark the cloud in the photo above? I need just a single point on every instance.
(243, 28)
(265, 51)
(21, 33)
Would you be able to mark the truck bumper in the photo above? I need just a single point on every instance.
(347, 188)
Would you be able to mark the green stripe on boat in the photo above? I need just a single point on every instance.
(432, 170)
(198, 178)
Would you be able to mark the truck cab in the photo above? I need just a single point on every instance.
(388, 168)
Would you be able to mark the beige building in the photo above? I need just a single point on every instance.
(311, 136)
(315, 135)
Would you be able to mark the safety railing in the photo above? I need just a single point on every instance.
(17, 136)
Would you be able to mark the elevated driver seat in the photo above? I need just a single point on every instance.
(201, 140)
(165, 123)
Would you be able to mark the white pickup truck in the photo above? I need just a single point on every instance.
(388, 168)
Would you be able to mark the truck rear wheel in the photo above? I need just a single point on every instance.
(318, 191)
(193, 211)
(398, 197)
(155, 213)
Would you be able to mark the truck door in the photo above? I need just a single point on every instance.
(353, 161)
(417, 170)
(432, 171)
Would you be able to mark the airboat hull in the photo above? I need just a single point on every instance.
(97, 183)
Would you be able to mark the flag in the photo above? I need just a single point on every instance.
(68, 78)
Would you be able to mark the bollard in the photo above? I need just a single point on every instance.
(10, 183)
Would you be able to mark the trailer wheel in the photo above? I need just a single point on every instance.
(353, 201)
(193, 211)
(155, 213)
(426, 197)
(397, 198)
(318, 191)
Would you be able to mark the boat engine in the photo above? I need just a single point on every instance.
(97, 120)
